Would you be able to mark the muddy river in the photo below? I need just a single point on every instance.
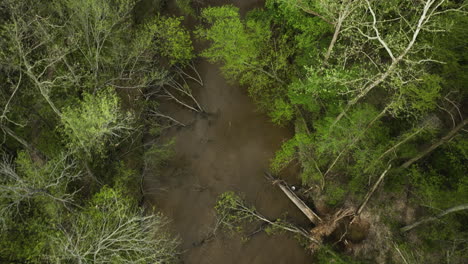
(225, 150)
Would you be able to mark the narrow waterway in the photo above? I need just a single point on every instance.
(225, 150)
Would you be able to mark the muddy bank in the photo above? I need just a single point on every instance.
(225, 150)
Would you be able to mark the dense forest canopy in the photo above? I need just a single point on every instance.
(375, 91)
(71, 74)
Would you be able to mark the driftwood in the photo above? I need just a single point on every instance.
(313, 217)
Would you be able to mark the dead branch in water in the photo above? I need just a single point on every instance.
(197, 79)
(158, 114)
(184, 89)
(176, 86)
(171, 96)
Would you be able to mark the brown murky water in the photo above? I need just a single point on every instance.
(226, 150)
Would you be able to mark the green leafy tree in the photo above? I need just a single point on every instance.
(94, 122)
(249, 53)
(33, 195)
(172, 40)
(26, 181)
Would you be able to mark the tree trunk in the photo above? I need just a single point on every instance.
(314, 218)
(432, 218)
(356, 139)
(369, 194)
(342, 16)
(446, 138)
(394, 147)
(333, 41)
(32, 150)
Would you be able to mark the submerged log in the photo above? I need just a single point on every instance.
(313, 217)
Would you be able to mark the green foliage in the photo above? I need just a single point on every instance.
(438, 184)
(172, 40)
(450, 229)
(439, 191)
(27, 240)
(306, 30)
(288, 152)
(35, 182)
(449, 48)
(232, 212)
(327, 255)
(284, 156)
(158, 154)
(443, 182)
(126, 180)
(185, 7)
(322, 88)
(32, 197)
(299, 94)
(282, 112)
(231, 43)
(249, 54)
(329, 142)
(416, 99)
(334, 194)
(95, 121)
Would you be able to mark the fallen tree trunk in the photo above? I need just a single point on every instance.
(446, 138)
(369, 194)
(432, 218)
(313, 217)
(323, 227)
